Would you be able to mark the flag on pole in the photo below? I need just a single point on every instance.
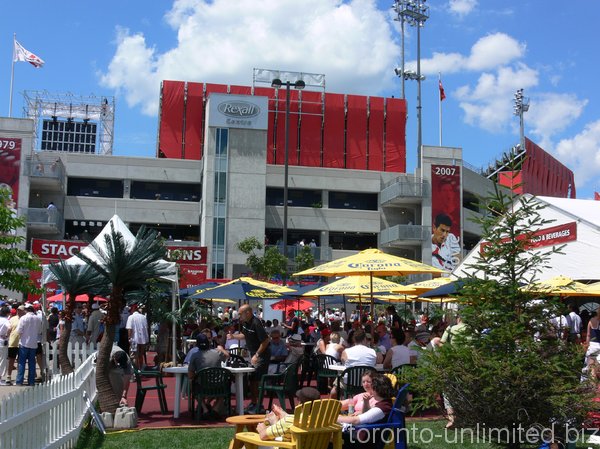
(596, 196)
(22, 54)
(442, 93)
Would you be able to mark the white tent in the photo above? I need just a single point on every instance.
(101, 243)
(129, 238)
(576, 225)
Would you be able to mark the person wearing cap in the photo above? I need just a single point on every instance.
(205, 357)
(295, 348)
(292, 323)
(5, 331)
(321, 345)
(53, 320)
(13, 340)
(94, 326)
(119, 373)
(29, 328)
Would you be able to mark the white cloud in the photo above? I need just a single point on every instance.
(494, 50)
(132, 71)
(221, 41)
(549, 113)
(489, 104)
(489, 52)
(582, 154)
(462, 7)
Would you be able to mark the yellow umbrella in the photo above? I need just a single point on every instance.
(441, 299)
(262, 284)
(560, 286)
(355, 285)
(371, 262)
(424, 286)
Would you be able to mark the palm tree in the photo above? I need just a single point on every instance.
(75, 280)
(125, 266)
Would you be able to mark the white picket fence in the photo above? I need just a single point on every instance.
(78, 354)
(48, 415)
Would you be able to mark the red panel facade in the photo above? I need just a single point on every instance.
(215, 88)
(171, 120)
(395, 143)
(333, 131)
(375, 148)
(269, 92)
(240, 90)
(325, 129)
(293, 128)
(311, 128)
(543, 174)
(194, 115)
(356, 132)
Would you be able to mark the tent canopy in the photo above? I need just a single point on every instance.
(129, 238)
(576, 225)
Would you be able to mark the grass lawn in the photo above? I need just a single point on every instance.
(422, 434)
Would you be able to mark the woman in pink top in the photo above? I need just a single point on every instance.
(356, 404)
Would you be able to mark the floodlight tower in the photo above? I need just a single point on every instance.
(521, 106)
(415, 13)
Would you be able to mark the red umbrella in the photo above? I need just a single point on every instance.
(78, 298)
(298, 304)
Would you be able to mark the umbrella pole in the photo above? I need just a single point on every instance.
(372, 299)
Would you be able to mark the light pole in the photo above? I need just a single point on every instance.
(521, 106)
(298, 84)
(416, 13)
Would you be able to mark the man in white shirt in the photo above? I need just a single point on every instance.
(574, 325)
(5, 330)
(29, 328)
(137, 328)
(445, 246)
(357, 355)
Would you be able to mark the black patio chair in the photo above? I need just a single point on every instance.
(211, 383)
(142, 388)
(352, 378)
(282, 384)
(325, 376)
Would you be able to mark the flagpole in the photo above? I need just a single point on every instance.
(12, 76)
(440, 104)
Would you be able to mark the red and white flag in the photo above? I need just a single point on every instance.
(442, 93)
(21, 54)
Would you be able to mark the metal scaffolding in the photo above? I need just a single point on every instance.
(40, 105)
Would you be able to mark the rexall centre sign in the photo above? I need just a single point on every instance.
(238, 111)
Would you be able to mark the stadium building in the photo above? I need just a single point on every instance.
(219, 177)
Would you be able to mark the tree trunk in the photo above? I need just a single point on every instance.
(63, 355)
(109, 401)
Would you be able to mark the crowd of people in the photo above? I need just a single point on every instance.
(25, 327)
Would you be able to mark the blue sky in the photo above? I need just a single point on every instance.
(485, 50)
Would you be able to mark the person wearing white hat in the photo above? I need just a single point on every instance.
(94, 327)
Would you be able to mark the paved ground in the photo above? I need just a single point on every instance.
(6, 390)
